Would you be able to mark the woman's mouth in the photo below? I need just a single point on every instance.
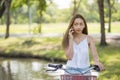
(78, 30)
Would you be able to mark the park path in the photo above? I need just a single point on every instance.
(108, 35)
(114, 37)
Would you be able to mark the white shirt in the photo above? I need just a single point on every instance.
(80, 57)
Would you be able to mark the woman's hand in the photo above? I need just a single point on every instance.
(101, 66)
(71, 33)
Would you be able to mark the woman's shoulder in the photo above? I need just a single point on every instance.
(89, 38)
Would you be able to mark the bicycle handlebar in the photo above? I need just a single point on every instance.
(96, 67)
(59, 66)
(55, 66)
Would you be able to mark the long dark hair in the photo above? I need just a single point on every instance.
(65, 41)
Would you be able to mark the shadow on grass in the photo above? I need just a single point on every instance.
(29, 42)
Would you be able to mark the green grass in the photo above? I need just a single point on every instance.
(30, 46)
(110, 57)
(51, 48)
(56, 28)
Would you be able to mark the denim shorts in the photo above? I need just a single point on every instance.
(72, 70)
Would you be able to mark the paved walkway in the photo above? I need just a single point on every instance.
(108, 35)
(113, 38)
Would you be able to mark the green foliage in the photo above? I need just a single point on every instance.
(41, 6)
(17, 3)
(51, 14)
(115, 10)
(116, 16)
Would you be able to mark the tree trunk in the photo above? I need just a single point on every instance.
(101, 13)
(7, 3)
(2, 8)
(75, 9)
(15, 17)
(40, 23)
(109, 23)
(29, 17)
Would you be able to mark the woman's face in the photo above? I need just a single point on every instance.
(78, 25)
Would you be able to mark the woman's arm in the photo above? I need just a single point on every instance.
(94, 52)
(69, 50)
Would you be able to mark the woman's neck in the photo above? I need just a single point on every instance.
(78, 35)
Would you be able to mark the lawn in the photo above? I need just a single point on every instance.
(56, 28)
(50, 49)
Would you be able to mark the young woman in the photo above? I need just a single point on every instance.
(76, 43)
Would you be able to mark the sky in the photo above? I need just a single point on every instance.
(66, 3)
(62, 3)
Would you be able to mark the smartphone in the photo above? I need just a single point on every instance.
(72, 30)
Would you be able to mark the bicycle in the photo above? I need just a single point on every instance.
(70, 76)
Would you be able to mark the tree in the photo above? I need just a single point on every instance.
(75, 9)
(101, 13)
(41, 6)
(110, 5)
(29, 15)
(15, 8)
(7, 5)
(2, 7)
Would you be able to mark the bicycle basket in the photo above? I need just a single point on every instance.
(78, 77)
